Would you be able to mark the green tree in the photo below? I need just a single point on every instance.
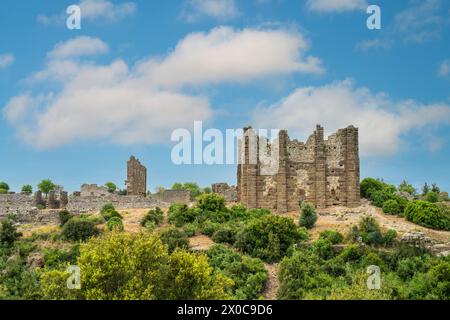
(4, 187)
(308, 216)
(8, 233)
(406, 187)
(125, 266)
(432, 197)
(425, 189)
(27, 189)
(435, 188)
(111, 187)
(46, 186)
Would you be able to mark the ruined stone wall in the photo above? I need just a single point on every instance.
(173, 196)
(225, 190)
(87, 204)
(15, 203)
(136, 178)
(89, 190)
(324, 172)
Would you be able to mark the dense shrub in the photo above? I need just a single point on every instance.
(308, 215)
(248, 274)
(79, 229)
(8, 233)
(146, 272)
(156, 216)
(428, 215)
(391, 206)
(64, 216)
(368, 231)
(115, 223)
(55, 257)
(208, 228)
(111, 213)
(211, 202)
(301, 274)
(4, 186)
(406, 187)
(226, 233)
(333, 236)
(107, 207)
(323, 248)
(174, 239)
(432, 197)
(27, 189)
(190, 229)
(369, 185)
(180, 214)
(269, 237)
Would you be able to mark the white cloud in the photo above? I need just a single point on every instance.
(216, 9)
(225, 54)
(382, 122)
(77, 47)
(367, 45)
(143, 103)
(444, 68)
(98, 10)
(327, 6)
(6, 60)
(421, 22)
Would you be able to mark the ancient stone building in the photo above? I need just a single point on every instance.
(324, 172)
(136, 178)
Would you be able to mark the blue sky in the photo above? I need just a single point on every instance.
(77, 103)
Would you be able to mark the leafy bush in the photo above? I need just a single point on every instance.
(4, 186)
(64, 216)
(174, 239)
(208, 228)
(308, 216)
(301, 274)
(156, 216)
(432, 197)
(389, 237)
(269, 237)
(406, 187)
(115, 223)
(391, 206)
(180, 214)
(150, 226)
(323, 248)
(27, 189)
(107, 207)
(211, 202)
(369, 185)
(111, 213)
(368, 231)
(79, 229)
(427, 214)
(111, 187)
(248, 274)
(190, 229)
(146, 272)
(8, 233)
(226, 233)
(55, 257)
(333, 236)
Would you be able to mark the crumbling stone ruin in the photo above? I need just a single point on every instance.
(136, 178)
(57, 199)
(225, 190)
(324, 172)
(88, 190)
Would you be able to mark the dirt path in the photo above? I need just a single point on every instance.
(270, 293)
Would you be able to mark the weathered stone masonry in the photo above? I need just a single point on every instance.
(322, 172)
(136, 178)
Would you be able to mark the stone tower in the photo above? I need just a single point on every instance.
(324, 172)
(136, 178)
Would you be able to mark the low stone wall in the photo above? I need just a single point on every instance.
(15, 203)
(173, 196)
(93, 203)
